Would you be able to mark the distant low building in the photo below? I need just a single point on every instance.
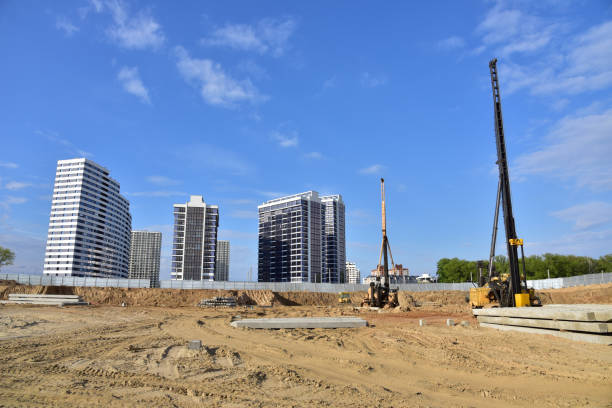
(426, 278)
(353, 275)
(397, 275)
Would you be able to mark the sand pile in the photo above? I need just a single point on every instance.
(579, 294)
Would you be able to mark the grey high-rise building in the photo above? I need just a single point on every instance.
(293, 239)
(90, 224)
(194, 250)
(145, 256)
(335, 243)
(223, 261)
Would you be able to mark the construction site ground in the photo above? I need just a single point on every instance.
(113, 356)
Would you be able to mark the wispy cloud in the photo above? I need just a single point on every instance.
(163, 181)
(268, 36)
(372, 81)
(451, 43)
(130, 79)
(373, 169)
(62, 23)
(16, 185)
(314, 155)
(578, 148)
(216, 87)
(137, 31)
(272, 194)
(6, 202)
(586, 216)
(8, 165)
(70, 147)
(159, 193)
(562, 61)
(286, 139)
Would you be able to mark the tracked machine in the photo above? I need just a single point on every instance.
(380, 293)
(507, 289)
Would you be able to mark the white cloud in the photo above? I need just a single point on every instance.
(372, 81)
(62, 23)
(163, 181)
(16, 185)
(452, 42)
(8, 165)
(578, 148)
(314, 156)
(286, 139)
(373, 169)
(6, 202)
(586, 216)
(133, 32)
(267, 36)
(130, 79)
(217, 87)
(585, 243)
(70, 147)
(159, 193)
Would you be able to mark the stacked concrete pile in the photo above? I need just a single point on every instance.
(589, 323)
(218, 301)
(301, 323)
(50, 300)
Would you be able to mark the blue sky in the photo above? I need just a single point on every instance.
(246, 101)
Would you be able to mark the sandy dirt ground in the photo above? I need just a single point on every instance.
(137, 356)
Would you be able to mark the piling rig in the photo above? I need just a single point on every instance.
(503, 290)
(379, 293)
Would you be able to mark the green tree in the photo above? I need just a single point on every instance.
(6, 257)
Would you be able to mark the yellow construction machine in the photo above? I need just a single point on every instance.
(344, 297)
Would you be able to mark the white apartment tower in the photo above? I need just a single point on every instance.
(301, 239)
(90, 223)
(223, 261)
(145, 256)
(194, 250)
(352, 273)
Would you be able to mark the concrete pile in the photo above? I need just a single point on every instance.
(50, 300)
(588, 323)
(301, 323)
(218, 301)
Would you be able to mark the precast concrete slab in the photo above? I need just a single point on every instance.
(580, 313)
(589, 327)
(301, 323)
(586, 337)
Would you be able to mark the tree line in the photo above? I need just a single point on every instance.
(537, 266)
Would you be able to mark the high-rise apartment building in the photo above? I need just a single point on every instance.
(90, 224)
(145, 255)
(294, 237)
(194, 250)
(352, 273)
(223, 261)
(335, 243)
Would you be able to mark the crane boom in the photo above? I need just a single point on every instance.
(504, 190)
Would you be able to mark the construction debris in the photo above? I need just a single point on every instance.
(49, 300)
(589, 323)
(218, 302)
(301, 323)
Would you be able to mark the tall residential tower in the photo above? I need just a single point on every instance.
(223, 261)
(145, 256)
(90, 224)
(194, 250)
(298, 242)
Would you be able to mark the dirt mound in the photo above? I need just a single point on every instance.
(579, 294)
(183, 298)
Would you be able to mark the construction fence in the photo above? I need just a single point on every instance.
(555, 283)
(48, 280)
